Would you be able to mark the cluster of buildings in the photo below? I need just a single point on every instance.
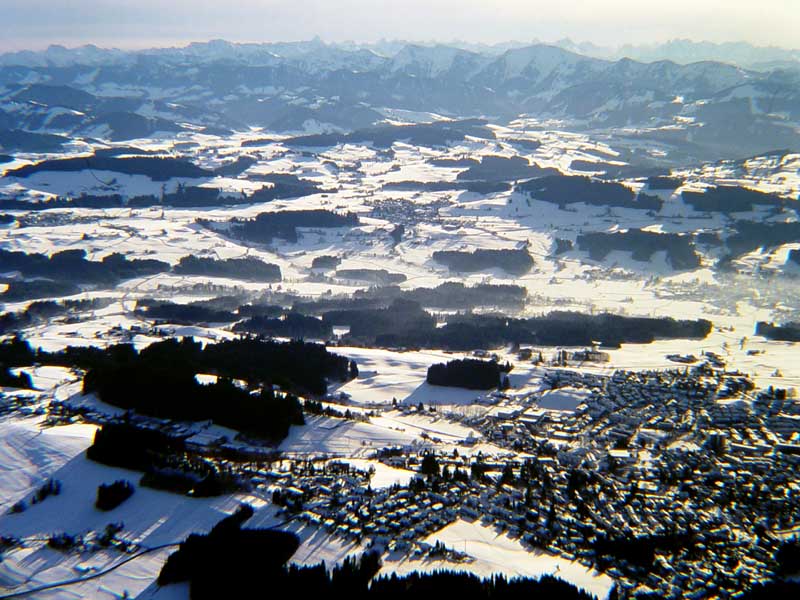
(685, 454)
(690, 463)
(338, 497)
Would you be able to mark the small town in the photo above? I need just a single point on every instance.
(672, 482)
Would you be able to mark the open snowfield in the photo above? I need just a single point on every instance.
(384, 375)
(30, 454)
(327, 436)
(496, 553)
(337, 437)
(384, 476)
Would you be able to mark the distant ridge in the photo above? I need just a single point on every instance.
(314, 87)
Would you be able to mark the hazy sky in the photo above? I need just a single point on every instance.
(35, 24)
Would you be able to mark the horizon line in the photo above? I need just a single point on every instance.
(186, 43)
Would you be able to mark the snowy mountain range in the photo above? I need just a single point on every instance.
(703, 109)
(740, 54)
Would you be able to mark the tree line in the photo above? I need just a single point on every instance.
(264, 227)
(642, 245)
(513, 261)
(160, 380)
(72, 265)
(406, 324)
(570, 189)
(469, 373)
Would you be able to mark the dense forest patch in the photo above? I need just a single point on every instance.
(504, 168)
(456, 295)
(468, 373)
(265, 227)
(157, 168)
(664, 182)
(111, 495)
(18, 291)
(788, 332)
(405, 324)
(20, 381)
(325, 262)
(295, 317)
(183, 314)
(246, 269)
(730, 199)
(514, 262)
(565, 189)
(292, 325)
(447, 295)
(642, 245)
(160, 380)
(73, 266)
(368, 324)
(372, 276)
(751, 235)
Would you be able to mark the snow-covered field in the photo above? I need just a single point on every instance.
(389, 381)
(496, 553)
(30, 454)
